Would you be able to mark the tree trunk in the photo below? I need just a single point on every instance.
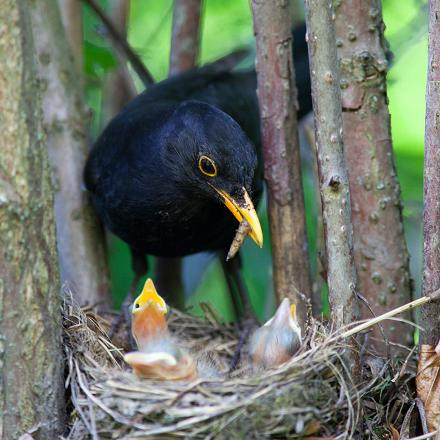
(80, 238)
(335, 193)
(31, 370)
(277, 96)
(427, 381)
(381, 254)
(185, 38)
(71, 14)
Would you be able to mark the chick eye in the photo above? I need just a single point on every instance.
(207, 166)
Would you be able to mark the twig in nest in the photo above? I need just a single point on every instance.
(121, 45)
(384, 336)
(243, 230)
(422, 415)
(425, 436)
(403, 368)
(435, 296)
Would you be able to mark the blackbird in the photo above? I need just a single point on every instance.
(173, 172)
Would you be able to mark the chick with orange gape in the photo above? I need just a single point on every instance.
(277, 340)
(158, 356)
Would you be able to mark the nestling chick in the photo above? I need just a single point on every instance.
(278, 339)
(159, 357)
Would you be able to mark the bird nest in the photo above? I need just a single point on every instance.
(312, 395)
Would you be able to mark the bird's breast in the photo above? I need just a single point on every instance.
(165, 231)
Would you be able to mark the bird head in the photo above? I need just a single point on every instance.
(278, 339)
(148, 324)
(209, 156)
(158, 356)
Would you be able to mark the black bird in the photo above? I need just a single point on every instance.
(165, 168)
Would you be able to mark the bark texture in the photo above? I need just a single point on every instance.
(71, 15)
(185, 38)
(31, 371)
(80, 237)
(335, 193)
(381, 254)
(428, 385)
(277, 96)
(431, 219)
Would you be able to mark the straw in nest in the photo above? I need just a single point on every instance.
(312, 395)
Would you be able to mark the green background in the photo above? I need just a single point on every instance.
(227, 25)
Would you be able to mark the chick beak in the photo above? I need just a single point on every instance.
(148, 323)
(149, 296)
(286, 317)
(244, 210)
(284, 314)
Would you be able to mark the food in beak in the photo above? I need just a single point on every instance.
(243, 211)
(243, 230)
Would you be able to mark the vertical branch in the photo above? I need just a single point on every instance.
(185, 38)
(335, 193)
(31, 370)
(184, 51)
(277, 95)
(431, 217)
(80, 240)
(428, 387)
(381, 255)
(71, 15)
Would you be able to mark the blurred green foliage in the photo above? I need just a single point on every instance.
(227, 26)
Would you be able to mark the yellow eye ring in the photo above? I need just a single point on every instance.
(207, 166)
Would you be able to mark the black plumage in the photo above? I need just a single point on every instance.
(143, 172)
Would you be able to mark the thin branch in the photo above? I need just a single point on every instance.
(335, 193)
(185, 37)
(121, 44)
(427, 383)
(431, 212)
(184, 51)
(434, 297)
(277, 96)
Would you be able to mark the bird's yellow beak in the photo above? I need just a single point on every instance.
(244, 210)
(149, 296)
(293, 311)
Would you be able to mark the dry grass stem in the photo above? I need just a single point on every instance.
(311, 395)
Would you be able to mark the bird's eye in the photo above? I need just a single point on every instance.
(207, 166)
(136, 306)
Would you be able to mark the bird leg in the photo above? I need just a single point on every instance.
(240, 299)
(168, 272)
(140, 268)
(238, 290)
